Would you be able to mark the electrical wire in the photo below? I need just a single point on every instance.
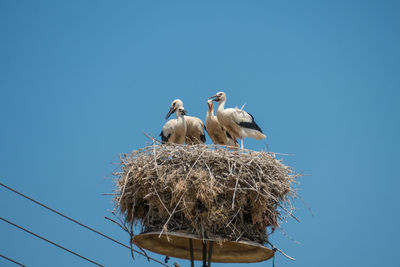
(51, 242)
(14, 261)
(81, 224)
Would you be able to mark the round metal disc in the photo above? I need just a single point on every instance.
(175, 244)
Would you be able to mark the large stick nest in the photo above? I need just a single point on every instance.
(203, 190)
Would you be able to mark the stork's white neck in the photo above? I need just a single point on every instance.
(180, 116)
(210, 112)
(221, 105)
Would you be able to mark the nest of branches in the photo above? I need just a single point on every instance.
(209, 191)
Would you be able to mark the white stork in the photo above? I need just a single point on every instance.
(195, 127)
(214, 129)
(238, 123)
(174, 131)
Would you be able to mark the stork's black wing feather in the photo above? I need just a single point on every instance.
(228, 135)
(203, 138)
(250, 125)
(164, 139)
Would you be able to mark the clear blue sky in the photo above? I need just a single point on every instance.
(81, 80)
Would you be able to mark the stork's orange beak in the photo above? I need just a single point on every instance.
(171, 110)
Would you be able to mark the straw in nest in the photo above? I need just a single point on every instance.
(205, 190)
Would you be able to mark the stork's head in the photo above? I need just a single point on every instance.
(177, 103)
(181, 111)
(220, 96)
(210, 104)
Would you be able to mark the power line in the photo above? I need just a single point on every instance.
(51, 242)
(9, 259)
(81, 224)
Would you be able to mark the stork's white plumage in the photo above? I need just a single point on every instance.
(238, 123)
(215, 130)
(195, 127)
(174, 131)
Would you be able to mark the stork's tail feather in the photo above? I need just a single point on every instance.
(260, 136)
